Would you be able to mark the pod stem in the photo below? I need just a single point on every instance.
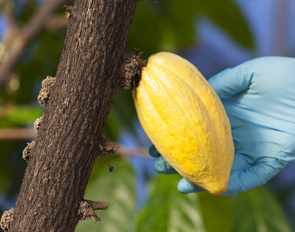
(141, 63)
(131, 67)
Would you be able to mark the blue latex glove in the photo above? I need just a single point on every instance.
(259, 99)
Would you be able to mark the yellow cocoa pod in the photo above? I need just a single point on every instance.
(185, 120)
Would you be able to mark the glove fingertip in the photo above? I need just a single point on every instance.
(163, 167)
(153, 152)
(185, 187)
(159, 165)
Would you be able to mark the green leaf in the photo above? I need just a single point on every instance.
(216, 211)
(113, 126)
(12, 166)
(168, 210)
(20, 115)
(118, 189)
(25, 114)
(144, 32)
(168, 25)
(258, 210)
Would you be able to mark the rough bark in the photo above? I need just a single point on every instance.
(67, 143)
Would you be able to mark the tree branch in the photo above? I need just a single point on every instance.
(87, 80)
(30, 134)
(17, 134)
(7, 7)
(16, 44)
(57, 22)
(87, 207)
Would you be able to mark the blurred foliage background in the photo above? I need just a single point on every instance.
(213, 35)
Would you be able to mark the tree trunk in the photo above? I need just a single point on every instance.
(67, 145)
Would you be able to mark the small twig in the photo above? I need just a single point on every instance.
(57, 22)
(17, 134)
(29, 134)
(107, 146)
(87, 207)
(127, 151)
(95, 205)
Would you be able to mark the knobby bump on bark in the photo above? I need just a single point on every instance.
(130, 70)
(28, 150)
(6, 219)
(87, 208)
(46, 90)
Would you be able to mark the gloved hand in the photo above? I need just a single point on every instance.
(259, 99)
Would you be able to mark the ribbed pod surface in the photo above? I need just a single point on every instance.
(185, 120)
